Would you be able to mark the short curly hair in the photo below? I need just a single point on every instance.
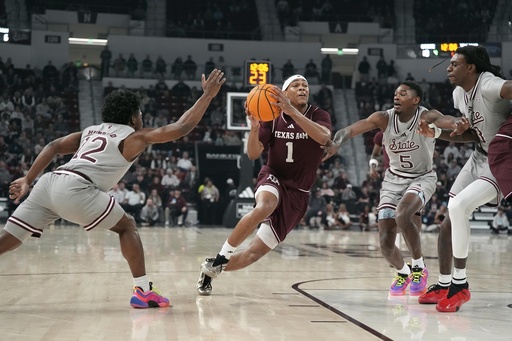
(120, 106)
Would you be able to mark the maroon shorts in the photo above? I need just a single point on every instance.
(500, 162)
(291, 207)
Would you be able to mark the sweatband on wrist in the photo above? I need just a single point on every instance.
(373, 163)
(437, 130)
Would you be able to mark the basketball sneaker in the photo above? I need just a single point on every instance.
(418, 278)
(458, 294)
(148, 299)
(433, 295)
(399, 285)
(204, 284)
(212, 267)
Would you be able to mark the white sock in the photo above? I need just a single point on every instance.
(459, 276)
(418, 262)
(445, 280)
(141, 282)
(227, 250)
(405, 270)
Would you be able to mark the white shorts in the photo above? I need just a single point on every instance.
(476, 167)
(394, 187)
(65, 196)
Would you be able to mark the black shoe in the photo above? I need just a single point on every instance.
(494, 231)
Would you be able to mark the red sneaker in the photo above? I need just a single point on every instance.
(458, 294)
(433, 295)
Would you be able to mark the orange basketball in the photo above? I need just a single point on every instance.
(258, 102)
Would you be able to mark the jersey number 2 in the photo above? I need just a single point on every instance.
(87, 155)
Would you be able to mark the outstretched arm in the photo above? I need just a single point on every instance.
(463, 133)
(376, 120)
(63, 145)
(138, 141)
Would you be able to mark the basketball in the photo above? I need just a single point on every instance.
(259, 103)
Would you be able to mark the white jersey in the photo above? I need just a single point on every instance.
(410, 154)
(98, 157)
(483, 107)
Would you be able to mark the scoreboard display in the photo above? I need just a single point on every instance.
(257, 72)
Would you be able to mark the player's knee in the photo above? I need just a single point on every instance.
(457, 208)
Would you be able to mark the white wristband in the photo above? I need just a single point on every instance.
(373, 163)
(437, 130)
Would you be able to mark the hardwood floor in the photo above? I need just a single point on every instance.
(318, 285)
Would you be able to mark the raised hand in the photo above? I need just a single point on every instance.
(212, 85)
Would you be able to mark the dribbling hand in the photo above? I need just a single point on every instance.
(18, 188)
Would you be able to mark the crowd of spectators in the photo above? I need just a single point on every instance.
(36, 106)
(452, 20)
(232, 19)
(290, 12)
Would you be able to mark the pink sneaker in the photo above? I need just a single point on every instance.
(419, 277)
(399, 285)
(148, 299)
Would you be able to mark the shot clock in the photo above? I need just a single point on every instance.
(257, 72)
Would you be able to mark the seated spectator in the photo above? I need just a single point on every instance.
(315, 214)
(331, 223)
(327, 192)
(118, 192)
(149, 214)
(176, 210)
(185, 163)
(134, 201)
(343, 217)
(500, 222)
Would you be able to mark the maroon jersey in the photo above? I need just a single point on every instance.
(500, 160)
(293, 156)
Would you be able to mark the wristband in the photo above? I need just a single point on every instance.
(373, 163)
(437, 130)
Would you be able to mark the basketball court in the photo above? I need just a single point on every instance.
(318, 285)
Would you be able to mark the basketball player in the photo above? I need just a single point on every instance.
(408, 183)
(77, 191)
(483, 97)
(378, 149)
(294, 141)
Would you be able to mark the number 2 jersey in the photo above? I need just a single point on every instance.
(410, 153)
(293, 156)
(99, 157)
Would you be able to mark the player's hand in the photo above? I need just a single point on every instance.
(18, 188)
(282, 101)
(253, 121)
(330, 148)
(424, 129)
(460, 126)
(212, 85)
(374, 174)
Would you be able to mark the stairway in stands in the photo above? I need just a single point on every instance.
(353, 152)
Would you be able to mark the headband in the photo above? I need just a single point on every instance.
(291, 79)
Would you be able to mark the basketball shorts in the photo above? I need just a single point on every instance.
(290, 209)
(65, 196)
(394, 188)
(477, 167)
